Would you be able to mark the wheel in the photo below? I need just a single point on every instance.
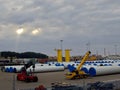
(85, 76)
(35, 79)
(27, 80)
(17, 78)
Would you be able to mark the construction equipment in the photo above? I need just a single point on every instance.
(25, 76)
(77, 72)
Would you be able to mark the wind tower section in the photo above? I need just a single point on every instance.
(59, 55)
(67, 55)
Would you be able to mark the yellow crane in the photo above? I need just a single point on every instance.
(77, 72)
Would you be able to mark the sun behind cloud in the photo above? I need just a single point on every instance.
(36, 31)
(19, 31)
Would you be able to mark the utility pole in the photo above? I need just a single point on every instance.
(61, 44)
(104, 52)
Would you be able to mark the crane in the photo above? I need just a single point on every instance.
(76, 72)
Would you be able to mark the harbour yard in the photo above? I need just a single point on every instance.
(7, 81)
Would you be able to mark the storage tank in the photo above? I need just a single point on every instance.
(59, 55)
(67, 55)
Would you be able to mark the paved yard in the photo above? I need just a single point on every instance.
(6, 80)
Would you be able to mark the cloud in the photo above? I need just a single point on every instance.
(75, 21)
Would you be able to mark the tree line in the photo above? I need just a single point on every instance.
(7, 54)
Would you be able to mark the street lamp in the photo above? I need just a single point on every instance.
(88, 46)
(61, 44)
(61, 48)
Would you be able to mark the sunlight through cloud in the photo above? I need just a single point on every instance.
(20, 31)
(36, 31)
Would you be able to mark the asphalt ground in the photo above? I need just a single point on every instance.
(8, 80)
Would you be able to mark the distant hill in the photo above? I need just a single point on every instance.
(7, 54)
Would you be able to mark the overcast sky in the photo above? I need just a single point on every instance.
(81, 24)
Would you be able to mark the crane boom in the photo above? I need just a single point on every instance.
(83, 60)
(77, 72)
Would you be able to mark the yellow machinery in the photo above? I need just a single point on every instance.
(77, 72)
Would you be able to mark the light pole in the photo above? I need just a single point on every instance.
(88, 46)
(61, 44)
(61, 47)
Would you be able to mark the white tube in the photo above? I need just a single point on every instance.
(17, 68)
(102, 70)
(38, 68)
(85, 68)
(46, 68)
(67, 63)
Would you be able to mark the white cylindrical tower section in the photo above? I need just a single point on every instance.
(103, 70)
(45, 68)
